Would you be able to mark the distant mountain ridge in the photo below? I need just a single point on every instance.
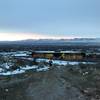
(88, 41)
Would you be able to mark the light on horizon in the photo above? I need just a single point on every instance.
(24, 36)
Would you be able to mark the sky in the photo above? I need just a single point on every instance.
(35, 19)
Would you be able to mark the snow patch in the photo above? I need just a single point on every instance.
(23, 70)
(61, 62)
(1, 70)
(5, 65)
(12, 72)
(20, 55)
(29, 67)
(43, 69)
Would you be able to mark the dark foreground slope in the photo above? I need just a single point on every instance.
(79, 82)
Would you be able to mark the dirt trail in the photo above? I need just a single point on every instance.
(52, 87)
(40, 86)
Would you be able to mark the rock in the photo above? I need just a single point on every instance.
(6, 90)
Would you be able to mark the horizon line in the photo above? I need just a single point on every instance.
(11, 36)
(50, 39)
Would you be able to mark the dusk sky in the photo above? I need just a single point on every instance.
(34, 19)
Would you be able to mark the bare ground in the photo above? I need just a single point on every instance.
(57, 84)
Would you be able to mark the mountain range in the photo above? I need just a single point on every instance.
(78, 41)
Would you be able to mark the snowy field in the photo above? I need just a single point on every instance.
(5, 67)
(61, 62)
(23, 70)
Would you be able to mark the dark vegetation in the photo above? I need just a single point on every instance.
(26, 47)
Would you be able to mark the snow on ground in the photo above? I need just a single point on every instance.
(17, 71)
(23, 70)
(1, 70)
(20, 55)
(5, 65)
(61, 62)
(29, 67)
(43, 69)
(25, 58)
(57, 62)
(17, 54)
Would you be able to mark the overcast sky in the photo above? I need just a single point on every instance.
(59, 18)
